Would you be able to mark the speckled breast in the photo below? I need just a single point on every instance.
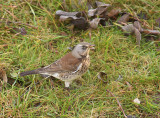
(69, 76)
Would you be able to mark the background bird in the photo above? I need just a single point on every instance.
(69, 67)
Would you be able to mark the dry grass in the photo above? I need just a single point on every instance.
(47, 40)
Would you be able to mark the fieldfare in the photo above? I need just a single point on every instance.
(69, 67)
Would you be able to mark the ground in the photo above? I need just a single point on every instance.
(132, 71)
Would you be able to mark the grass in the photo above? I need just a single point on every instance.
(115, 55)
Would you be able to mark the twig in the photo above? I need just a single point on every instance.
(12, 14)
(19, 23)
(136, 18)
(4, 45)
(90, 34)
(25, 24)
(118, 103)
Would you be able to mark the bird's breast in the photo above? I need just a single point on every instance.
(84, 66)
(81, 69)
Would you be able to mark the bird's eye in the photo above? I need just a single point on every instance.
(84, 47)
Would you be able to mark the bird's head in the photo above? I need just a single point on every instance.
(82, 49)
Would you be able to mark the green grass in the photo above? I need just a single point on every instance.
(115, 55)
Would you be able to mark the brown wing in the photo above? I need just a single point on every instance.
(65, 64)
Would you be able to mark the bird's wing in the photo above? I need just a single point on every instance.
(65, 64)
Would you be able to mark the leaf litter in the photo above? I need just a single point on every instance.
(97, 17)
(3, 77)
(102, 14)
(103, 77)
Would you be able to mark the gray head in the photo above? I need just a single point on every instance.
(82, 49)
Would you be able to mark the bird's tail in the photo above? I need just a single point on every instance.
(28, 73)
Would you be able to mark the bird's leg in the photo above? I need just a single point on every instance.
(67, 83)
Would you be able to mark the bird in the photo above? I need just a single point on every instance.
(68, 68)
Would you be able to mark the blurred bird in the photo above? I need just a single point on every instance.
(69, 67)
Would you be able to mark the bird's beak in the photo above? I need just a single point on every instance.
(92, 47)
